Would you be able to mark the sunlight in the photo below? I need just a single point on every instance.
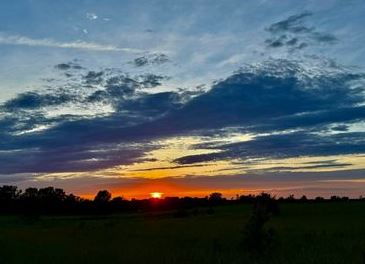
(156, 195)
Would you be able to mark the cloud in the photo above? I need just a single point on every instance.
(82, 45)
(33, 100)
(35, 136)
(340, 128)
(70, 159)
(293, 24)
(292, 33)
(85, 96)
(286, 145)
(152, 59)
(91, 16)
(288, 106)
(277, 95)
(68, 66)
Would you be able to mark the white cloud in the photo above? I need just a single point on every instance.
(91, 16)
(26, 41)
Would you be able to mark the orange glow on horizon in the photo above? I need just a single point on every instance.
(163, 188)
(143, 190)
(156, 195)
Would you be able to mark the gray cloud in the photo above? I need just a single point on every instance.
(276, 96)
(294, 144)
(293, 24)
(294, 34)
(152, 59)
(34, 100)
(68, 66)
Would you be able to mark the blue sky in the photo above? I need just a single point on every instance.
(96, 93)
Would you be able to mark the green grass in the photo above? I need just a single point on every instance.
(305, 233)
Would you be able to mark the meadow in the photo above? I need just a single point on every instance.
(328, 232)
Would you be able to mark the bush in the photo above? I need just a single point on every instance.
(257, 239)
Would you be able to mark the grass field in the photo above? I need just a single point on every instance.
(304, 233)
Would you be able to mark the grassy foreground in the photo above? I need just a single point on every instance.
(304, 233)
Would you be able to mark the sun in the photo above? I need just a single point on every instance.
(156, 195)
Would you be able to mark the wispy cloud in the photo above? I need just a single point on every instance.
(91, 16)
(294, 34)
(46, 42)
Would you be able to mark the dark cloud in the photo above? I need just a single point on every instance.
(294, 106)
(68, 66)
(118, 89)
(321, 166)
(140, 61)
(151, 80)
(316, 120)
(294, 144)
(34, 100)
(276, 43)
(69, 158)
(152, 105)
(340, 128)
(88, 90)
(152, 59)
(324, 37)
(293, 24)
(277, 95)
(93, 77)
(294, 34)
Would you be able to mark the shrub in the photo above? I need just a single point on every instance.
(257, 239)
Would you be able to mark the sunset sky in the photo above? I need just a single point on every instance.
(183, 97)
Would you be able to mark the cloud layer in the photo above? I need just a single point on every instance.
(291, 109)
(83, 45)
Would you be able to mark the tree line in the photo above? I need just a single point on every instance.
(52, 200)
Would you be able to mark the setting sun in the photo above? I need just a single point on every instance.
(156, 195)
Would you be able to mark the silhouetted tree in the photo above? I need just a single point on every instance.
(246, 198)
(256, 237)
(8, 193)
(290, 198)
(117, 199)
(303, 198)
(52, 200)
(215, 198)
(319, 199)
(30, 203)
(101, 201)
(102, 197)
(9, 196)
(268, 202)
(30, 194)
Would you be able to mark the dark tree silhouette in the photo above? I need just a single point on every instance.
(103, 197)
(216, 196)
(256, 238)
(9, 196)
(50, 200)
(8, 192)
(30, 194)
(303, 198)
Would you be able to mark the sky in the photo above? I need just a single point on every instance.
(183, 97)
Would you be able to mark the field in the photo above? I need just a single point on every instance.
(304, 233)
